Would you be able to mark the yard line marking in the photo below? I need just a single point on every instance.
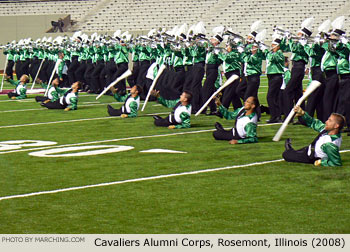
(74, 120)
(121, 139)
(142, 179)
(135, 180)
(87, 105)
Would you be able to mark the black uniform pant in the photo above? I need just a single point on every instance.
(274, 81)
(73, 67)
(114, 112)
(344, 97)
(9, 68)
(314, 101)
(225, 135)
(97, 86)
(299, 156)
(330, 93)
(141, 77)
(179, 76)
(294, 89)
(12, 94)
(41, 98)
(54, 105)
(135, 72)
(188, 78)
(79, 73)
(88, 74)
(120, 69)
(253, 84)
(163, 122)
(164, 83)
(196, 85)
(209, 85)
(230, 93)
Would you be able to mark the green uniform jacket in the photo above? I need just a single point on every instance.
(330, 149)
(253, 62)
(231, 61)
(22, 91)
(121, 54)
(315, 53)
(187, 59)
(343, 60)
(10, 54)
(297, 49)
(185, 117)
(211, 57)
(274, 62)
(286, 76)
(250, 128)
(144, 53)
(330, 58)
(133, 105)
(198, 53)
(178, 60)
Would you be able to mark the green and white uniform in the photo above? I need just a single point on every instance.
(70, 99)
(245, 125)
(327, 146)
(181, 115)
(131, 104)
(20, 90)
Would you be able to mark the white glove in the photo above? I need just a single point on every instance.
(236, 40)
(287, 34)
(263, 47)
(317, 39)
(240, 49)
(344, 40)
(303, 42)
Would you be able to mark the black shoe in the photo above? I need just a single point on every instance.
(288, 144)
(274, 120)
(212, 113)
(109, 109)
(297, 123)
(218, 126)
(155, 117)
(264, 109)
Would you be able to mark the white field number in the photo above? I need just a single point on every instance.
(18, 144)
(92, 150)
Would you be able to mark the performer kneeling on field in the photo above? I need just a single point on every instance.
(69, 101)
(131, 103)
(245, 125)
(53, 94)
(180, 117)
(324, 150)
(20, 91)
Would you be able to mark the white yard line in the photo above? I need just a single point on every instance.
(68, 121)
(136, 180)
(120, 139)
(142, 179)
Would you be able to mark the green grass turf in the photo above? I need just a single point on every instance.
(272, 198)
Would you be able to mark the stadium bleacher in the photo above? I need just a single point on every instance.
(142, 15)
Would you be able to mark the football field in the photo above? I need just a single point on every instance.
(85, 172)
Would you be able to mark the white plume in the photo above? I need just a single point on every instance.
(260, 37)
(307, 23)
(200, 29)
(325, 26)
(338, 23)
(256, 26)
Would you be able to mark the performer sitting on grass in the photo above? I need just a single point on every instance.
(245, 126)
(131, 103)
(20, 91)
(53, 94)
(69, 101)
(180, 117)
(324, 150)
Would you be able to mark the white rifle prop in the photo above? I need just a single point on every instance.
(228, 82)
(312, 87)
(3, 76)
(126, 74)
(58, 62)
(160, 71)
(37, 73)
